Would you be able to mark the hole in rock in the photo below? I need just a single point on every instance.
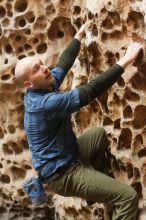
(116, 35)
(6, 197)
(90, 16)
(5, 77)
(138, 188)
(17, 149)
(136, 19)
(20, 192)
(116, 165)
(104, 36)
(127, 112)
(30, 17)
(18, 173)
(95, 30)
(60, 34)
(110, 58)
(6, 61)
(11, 129)
(9, 13)
(129, 169)
(125, 138)
(36, 40)
(78, 22)
(8, 49)
(142, 153)
(20, 5)
(117, 123)
(13, 71)
(138, 82)
(27, 215)
(139, 116)
(22, 22)
(77, 10)
(5, 178)
(117, 55)
(121, 82)
(2, 12)
(1, 133)
(115, 17)
(107, 121)
(60, 24)
(0, 31)
(40, 23)
(27, 46)
(103, 10)
(122, 167)
(96, 15)
(144, 180)
(136, 173)
(8, 6)
(130, 95)
(28, 31)
(18, 38)
(7, 149)
(138, 142)
(95, 54)
(41, 48)
(31, 53)
(5, 22)
(107, 23)
(50, 9)
(24, 144)
(27, 167)
(20, 49)
(21, 56)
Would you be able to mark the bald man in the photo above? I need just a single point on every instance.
(72, 166)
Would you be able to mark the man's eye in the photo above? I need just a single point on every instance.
(36, 68)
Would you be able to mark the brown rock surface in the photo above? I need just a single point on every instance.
(44, 28)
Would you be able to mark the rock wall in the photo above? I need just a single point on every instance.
(44, 28)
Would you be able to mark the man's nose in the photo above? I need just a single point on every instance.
(45, 69)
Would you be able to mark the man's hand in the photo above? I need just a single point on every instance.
(81, 32)
(130, 55)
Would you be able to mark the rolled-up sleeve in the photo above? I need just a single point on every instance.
(58, 74)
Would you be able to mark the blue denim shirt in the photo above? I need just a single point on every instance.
(47, 123)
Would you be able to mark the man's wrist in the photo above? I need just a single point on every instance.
(124, 62)
(79, 36)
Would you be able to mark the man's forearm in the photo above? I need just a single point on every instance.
(98, 85)
(69, 55)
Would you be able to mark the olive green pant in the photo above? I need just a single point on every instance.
(85, 178)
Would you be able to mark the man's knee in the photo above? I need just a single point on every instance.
(132, 197)
(100, 131)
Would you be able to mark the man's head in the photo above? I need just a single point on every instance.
(32, 73)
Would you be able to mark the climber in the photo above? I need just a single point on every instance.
(72, 166)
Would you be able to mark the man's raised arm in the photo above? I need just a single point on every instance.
(69, 55)
(101, 83)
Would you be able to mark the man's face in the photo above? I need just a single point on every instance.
(39, 76)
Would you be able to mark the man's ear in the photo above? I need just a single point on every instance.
(28, 84)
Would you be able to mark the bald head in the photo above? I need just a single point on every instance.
(33, 74)
(23, 67)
